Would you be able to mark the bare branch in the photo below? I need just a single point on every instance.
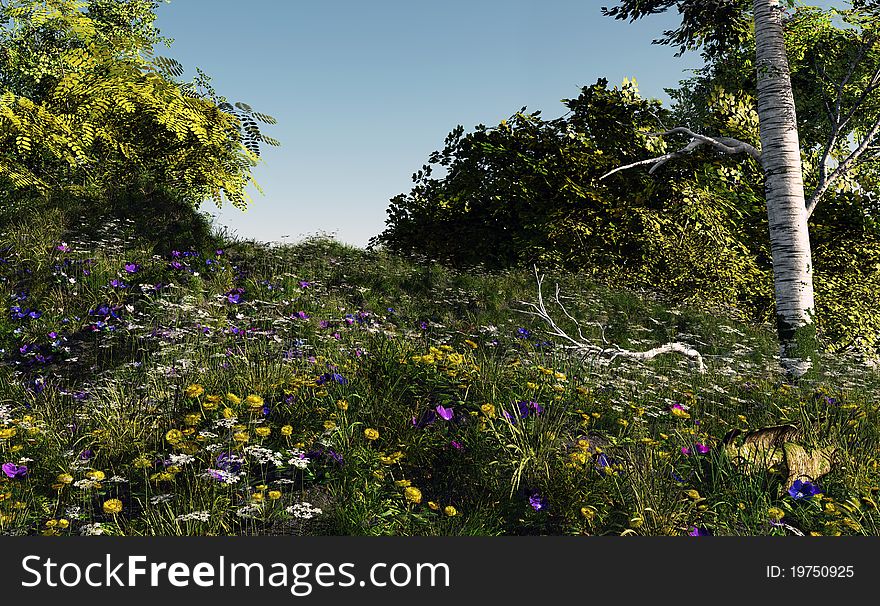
(583, 346)
(726, 145)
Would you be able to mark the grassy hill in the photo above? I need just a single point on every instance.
(321, 389)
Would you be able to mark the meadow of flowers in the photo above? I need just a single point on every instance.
(321, 389)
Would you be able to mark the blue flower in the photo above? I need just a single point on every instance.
(537, 502)
(523, 333)
(803, 490)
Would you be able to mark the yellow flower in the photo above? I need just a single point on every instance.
(371, 434)
(413, 495)
(403, 483)
(455, 359)
(287, 430)
(95, 475)
(192, 419)
(263, 432)
(254, 402)
(342, 404)
(531, 385)
(450, 510)
(173, 436)
(433, 505)
(7, 433)
(329, 425)
(471, 343)
(112, 506)
(194, 391)
(274, 494)
(379, 474)
(257, 496)
(240, 436)
(488, 410)
(63, 523)
(228, 413)
(678, 411)
(64, 478)
(51, 523)
(233, 398)
(775, 514)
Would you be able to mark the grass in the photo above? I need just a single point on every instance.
(322, 389)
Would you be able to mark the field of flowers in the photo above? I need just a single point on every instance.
(321, 389)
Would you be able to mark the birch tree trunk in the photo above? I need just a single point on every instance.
(786, 207)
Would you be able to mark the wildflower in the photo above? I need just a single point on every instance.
(450, 511)
(194, 391)
(64, 478)
(456, 445)
(263, 432)
(96, 474)
(696, 531)
(523, 333)
(174, 436)
(14, 472)
(426, 419)
(303, 510)
(274, 495)
(342, 404)
(801, 490)
(331, 376)
(445, 413)
(254, 402)
(433, 505)
(488, 410)
(304, 284)
(471, 344)
(537, 502)
(112, 506)
(775, 514)
(329, 425)
(678, 410)
(132, 268)
(413, 495)
(233, 398)
(287, 430)
(240, 436)
(371, 434)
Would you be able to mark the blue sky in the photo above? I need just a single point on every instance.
(365, 91)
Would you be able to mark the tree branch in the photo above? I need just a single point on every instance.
(726, 145)
(583, 346)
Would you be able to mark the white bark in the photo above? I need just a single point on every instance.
(786, 207)
(581, 345)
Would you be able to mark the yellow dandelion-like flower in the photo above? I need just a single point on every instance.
(228, 413)
(775, 514)
(257, 496)
(403, 483)
(678, 411)
(371, 434)
(192, 419)
(455, 359)
(450, 511)
(274, 495)
(173, 436)
(95, 475)
(413, 495)
(194, 391)
(234, 399)
(263, 432)
(342, 404)
(240, 436)
(471, 344)
(488, 410)
(287, 430)
(112, 506)
(63, 523)
(7, 433)
(329, 425)
(254, 402)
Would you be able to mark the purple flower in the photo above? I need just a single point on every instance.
(301, 315)
(696, 531)
(15, 472)
(331, 376)
(456, 445)
(445, 413)
(63, 247)
(132, 268)
(234, 295)
(537, 502)
(117, 283)
(304, 284)
(803, 490)
(426, 419)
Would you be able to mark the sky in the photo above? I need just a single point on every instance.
(364, 91)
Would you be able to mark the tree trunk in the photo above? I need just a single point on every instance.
(786, 207)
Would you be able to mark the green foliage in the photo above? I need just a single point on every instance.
(87, 110)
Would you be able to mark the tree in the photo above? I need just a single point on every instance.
(717, 26)
(87, 110)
